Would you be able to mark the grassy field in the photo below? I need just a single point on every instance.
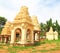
(43, 46)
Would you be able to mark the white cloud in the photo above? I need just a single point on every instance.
(7, 13)
(36, 7)
(47, 12)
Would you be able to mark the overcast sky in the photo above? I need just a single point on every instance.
(43, 9)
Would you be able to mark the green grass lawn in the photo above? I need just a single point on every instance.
(15, 49)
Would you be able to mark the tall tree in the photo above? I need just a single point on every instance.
(2, 21)
(49, 24)
(43, 29)
(46, 27)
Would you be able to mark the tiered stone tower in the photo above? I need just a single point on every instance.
(51, 35)
(24, 28)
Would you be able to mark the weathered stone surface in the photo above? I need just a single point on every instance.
(35, 23)
(20, 25)
(6, 30)
(51, 34)
(56, 35)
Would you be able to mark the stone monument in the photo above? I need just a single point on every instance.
(23, 30)
(51, 35)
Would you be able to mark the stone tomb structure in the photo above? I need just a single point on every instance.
(52, 35)
(23, 30)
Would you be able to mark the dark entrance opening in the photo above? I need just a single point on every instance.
(18, 35)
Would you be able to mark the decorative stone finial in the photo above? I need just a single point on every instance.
(24, 9)
(35, 22)
(34, 19)
(7, 24)
(51, 29)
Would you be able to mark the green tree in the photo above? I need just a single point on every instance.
(48, 24)
(2, 22)
(56, 27)
(46, 27)
(43, 29)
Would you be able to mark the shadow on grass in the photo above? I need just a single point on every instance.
(39, 43)
(14, 49)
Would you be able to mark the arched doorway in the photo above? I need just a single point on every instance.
(36, 35)
(18, 35)
(28, 36)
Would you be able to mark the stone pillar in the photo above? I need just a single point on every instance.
(12, 37)
(5, 40)
(50, 37)
(56, 35)
(32, 37)
(9, 38)
(36, 37)
(23, 37)
(1, 40)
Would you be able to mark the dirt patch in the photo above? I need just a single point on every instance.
(36, 49)
(5, 47)
(3, 51)
(57, 51)
(24, 51)
(46, 46)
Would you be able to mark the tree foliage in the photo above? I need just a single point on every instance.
(49, 24)
(46, 27)
(2, 22)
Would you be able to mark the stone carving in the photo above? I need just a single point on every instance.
(6, 29)
(56, 35)
(22, 26)
(35, 23)
(51, 35)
